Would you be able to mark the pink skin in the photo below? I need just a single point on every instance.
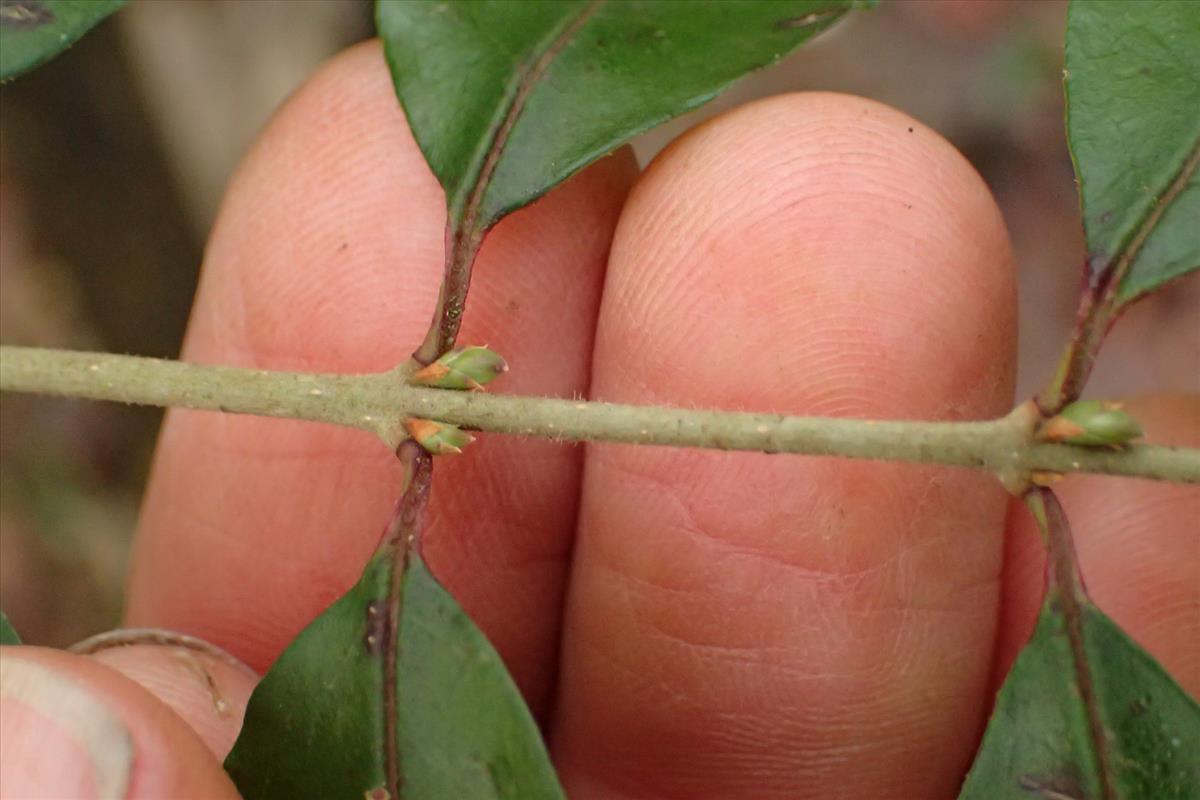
(42, 757)
(806, 254)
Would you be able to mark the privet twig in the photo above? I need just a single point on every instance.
(380, 403)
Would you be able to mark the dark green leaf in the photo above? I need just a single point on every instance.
(34, 31)
(1038, 745)
(507, 99)
(1133, 122)
(317, 724)
(8, 634)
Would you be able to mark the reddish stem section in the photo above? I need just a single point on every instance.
(1067, 587)
(463, 240)
(403, 533)
(1099, 303)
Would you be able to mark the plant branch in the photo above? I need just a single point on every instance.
(380, 402)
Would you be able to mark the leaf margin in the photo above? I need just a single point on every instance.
(74, 30)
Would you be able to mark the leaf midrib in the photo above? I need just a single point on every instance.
(401, 535)
(1129, 253)
(1073, 603)
(501, 129)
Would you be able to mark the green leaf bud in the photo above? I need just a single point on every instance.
(439, 438)
(1094, 423)
(461, 368)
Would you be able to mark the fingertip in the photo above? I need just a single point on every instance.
(807, 254)
(332, 208)
(71, 727)
(818, 211)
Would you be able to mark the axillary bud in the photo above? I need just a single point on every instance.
(1093, 423)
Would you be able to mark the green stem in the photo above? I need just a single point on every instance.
(380, 402)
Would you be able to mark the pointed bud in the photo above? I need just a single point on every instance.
(463, 368)
(439, 438)
(1093, 423)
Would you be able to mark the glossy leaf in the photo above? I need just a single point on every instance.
(34, 31)
(316, 726)
(1038, 745)
(507, 99)
(1133, 123)
(8, 634)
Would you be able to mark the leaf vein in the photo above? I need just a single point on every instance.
(1128, 254)
(401, 535)
(463, 240)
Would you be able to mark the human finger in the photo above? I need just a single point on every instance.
(72, 727)
(749, 626)
(327, 256)
(204, 685)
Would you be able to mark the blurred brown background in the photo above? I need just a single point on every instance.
(113, 159)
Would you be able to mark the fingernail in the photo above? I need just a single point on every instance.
(56, 739)
(181, 670)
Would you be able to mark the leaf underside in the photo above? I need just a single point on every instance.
(34, 31)
(1038, 745)
(1133, 124)
(315, 726)
(508, 99)
(8, 634)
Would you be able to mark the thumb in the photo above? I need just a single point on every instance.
(200, 682)
(71, 726)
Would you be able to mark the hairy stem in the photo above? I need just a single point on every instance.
(380, 402)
